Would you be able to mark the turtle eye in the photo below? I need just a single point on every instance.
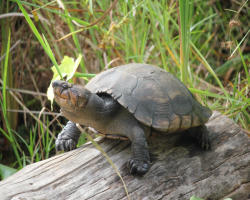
(65, 86)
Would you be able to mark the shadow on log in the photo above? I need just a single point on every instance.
(180, 170)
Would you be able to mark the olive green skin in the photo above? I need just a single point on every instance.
(131, 101)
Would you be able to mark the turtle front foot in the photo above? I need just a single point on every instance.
(65, 144)
(68, 137)
(138, 167)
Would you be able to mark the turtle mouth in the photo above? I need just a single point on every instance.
(61, 92)
(69, 96)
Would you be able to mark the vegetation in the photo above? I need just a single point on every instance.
(204, 43)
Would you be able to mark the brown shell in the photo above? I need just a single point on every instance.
(155, 97)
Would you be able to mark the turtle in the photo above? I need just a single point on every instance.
(131, 101)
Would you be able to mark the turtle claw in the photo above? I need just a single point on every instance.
(138, 167)
(67, 139)
(65, 145)
(201, 135)
(205, 141)
(203, 138)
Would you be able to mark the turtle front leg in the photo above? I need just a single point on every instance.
(67, 139)
(139, 163)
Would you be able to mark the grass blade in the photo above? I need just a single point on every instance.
(107, 157)
(209, 68)
(185, 13)
(239, 44)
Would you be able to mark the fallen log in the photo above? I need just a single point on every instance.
(180, 169)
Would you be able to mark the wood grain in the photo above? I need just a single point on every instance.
(179, 170)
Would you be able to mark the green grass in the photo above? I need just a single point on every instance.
(185, 17)
(183, 37)
(7, 132)
(25, 151)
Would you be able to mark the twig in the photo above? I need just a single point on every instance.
(13, 47)
(35, 85)
(28, 111)
(103, 16)
(16, 14)
(92, 24)
(25, 91)
(32, 111)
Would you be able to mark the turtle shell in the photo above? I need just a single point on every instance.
(155, 97)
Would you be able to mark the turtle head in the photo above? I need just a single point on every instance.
(77, 103)
(70, 97)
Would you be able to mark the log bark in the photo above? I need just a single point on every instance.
(180, 169)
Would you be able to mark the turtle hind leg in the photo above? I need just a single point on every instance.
(68, 138)
(201, 134)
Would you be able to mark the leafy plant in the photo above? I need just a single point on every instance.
(6, 171)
